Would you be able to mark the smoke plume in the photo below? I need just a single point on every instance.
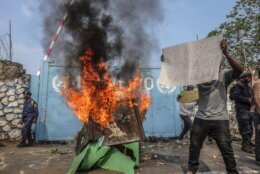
(116, 30)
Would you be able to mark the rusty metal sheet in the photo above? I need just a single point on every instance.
(126, 128)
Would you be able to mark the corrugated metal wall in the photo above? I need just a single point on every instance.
(57, 122)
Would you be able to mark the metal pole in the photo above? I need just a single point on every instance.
(10, 41)
(58, 32)
(55, 37)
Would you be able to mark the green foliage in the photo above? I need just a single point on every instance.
(242, 31)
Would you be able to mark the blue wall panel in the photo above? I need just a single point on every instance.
(162, 118)
(58, 122)
(34, 87)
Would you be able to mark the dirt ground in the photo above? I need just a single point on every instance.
(160, 157)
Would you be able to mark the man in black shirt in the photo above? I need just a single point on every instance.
(242, 98)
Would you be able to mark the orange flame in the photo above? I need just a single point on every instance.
(99, 95)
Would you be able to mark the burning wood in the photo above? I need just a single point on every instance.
(99, 96)
(106, 109)
(126, 128)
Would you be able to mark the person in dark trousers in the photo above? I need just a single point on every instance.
(212, 117)
(30, 114)
(255, 110)
(186, 111)
(242, 98)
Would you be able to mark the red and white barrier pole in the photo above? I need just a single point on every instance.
(55, 37)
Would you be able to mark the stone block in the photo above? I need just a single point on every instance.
(10, 83)
(15, 133)
(20, 81)
(20, 101)
(3, 122)
(6, 128)
(8, 110)
(20, 91)
(26, 86)
(13, 104)
(5, 101)
(9, 117)
(18, 87)
(20, 115)
(19, 125)
(2, 95)
(3, 89)
(18, 111)
(15, 122)
(11, 98)
(21, 96)
(3, 136)
(2, 113)
(10, 92)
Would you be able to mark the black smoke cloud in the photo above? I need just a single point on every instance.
(116, 30)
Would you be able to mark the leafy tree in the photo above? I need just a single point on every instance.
(242, 31)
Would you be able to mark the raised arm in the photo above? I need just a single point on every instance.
(235, 64)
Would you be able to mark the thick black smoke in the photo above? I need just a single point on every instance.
(118, 30)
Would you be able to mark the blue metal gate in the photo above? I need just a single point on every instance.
(162, 119)
(57, 121)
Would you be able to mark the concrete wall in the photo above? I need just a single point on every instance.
(13, 82)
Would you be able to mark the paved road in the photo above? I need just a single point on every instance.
(156, 158)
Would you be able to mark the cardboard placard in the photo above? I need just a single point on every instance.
(189, 96)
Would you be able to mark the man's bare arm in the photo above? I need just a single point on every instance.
(234, 63)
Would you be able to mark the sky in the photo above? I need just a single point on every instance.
(184, 20)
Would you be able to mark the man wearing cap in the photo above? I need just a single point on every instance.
(242, 98)
(30, 114)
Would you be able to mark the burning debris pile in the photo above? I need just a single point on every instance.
(97, 34)
(111, 116)
(111, 109)
(99, 96)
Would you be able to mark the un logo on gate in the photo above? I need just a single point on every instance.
(165, 89)
(57, 82)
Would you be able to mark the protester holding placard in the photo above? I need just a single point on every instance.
(212, 117)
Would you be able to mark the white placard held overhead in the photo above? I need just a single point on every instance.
(191, 63)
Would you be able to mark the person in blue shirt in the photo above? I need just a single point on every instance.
(30, 114)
